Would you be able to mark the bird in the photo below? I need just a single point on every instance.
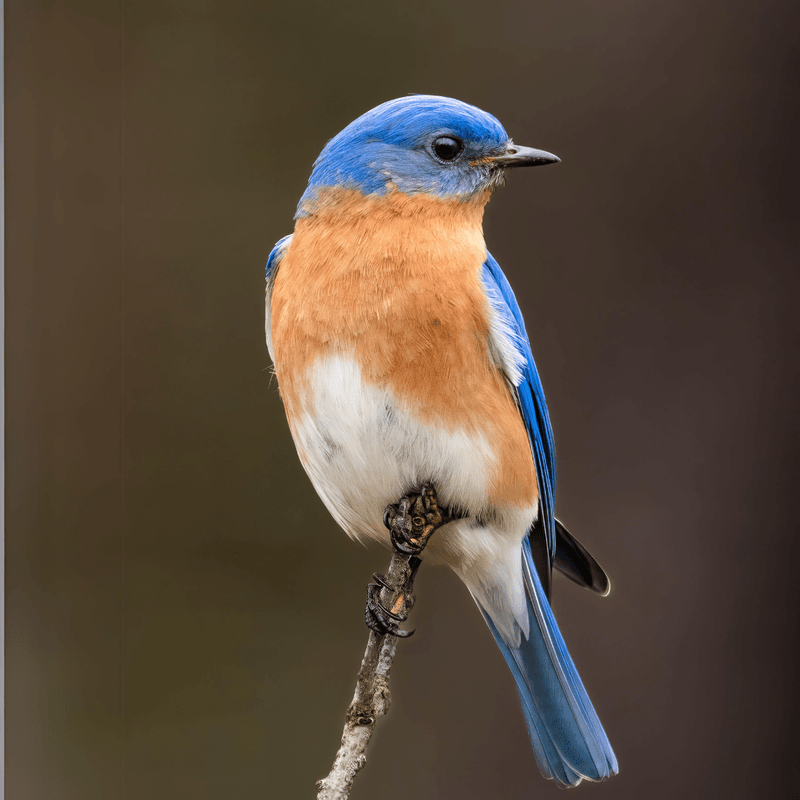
(403, 362)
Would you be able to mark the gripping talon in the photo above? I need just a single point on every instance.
(389, 516)
(377, 622)
(411, 522)
(381, 579)
(374, 623)
(402, 547)
(379, 618)
(414, 519)
(373, 593)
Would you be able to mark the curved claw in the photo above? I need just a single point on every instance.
(378, 618)
(383, 608)
(374, 623)
(402, 546)
(414, 519)
(411, 523)
(381, 579)
(373, 593)
(377, 622)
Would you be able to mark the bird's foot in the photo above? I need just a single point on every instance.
(413, 520)
(411, 524)
(383, 620)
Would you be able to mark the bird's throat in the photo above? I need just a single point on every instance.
(392, 234)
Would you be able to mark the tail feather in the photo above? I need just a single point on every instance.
(568, 740)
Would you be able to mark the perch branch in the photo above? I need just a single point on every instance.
(371, 699)
(420, 517)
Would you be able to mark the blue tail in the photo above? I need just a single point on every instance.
(567, 737)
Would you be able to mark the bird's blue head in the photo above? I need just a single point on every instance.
(421, 144)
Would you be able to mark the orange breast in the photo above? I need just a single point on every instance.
(395, 282)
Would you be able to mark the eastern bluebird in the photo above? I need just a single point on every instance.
(402, 360)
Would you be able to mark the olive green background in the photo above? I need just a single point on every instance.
(184, 618)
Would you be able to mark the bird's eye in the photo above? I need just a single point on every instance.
(446, 148)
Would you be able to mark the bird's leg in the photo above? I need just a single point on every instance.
(411, 523)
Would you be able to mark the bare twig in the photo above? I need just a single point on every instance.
(371, 699)
(411, 523)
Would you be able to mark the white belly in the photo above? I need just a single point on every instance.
(363, 451)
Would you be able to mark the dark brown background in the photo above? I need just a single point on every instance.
(184, 618)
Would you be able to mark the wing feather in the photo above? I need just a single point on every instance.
(273, 262)
(511, 338)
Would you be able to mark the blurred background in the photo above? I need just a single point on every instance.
(184, 618)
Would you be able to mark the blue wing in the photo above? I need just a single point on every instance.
(567, 738)
(530, 395)
(275, 258)
(273, 262)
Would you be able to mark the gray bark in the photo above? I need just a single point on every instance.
(372, 698)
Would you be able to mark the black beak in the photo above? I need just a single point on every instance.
(518, 156)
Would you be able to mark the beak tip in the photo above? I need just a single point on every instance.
(519, 156)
